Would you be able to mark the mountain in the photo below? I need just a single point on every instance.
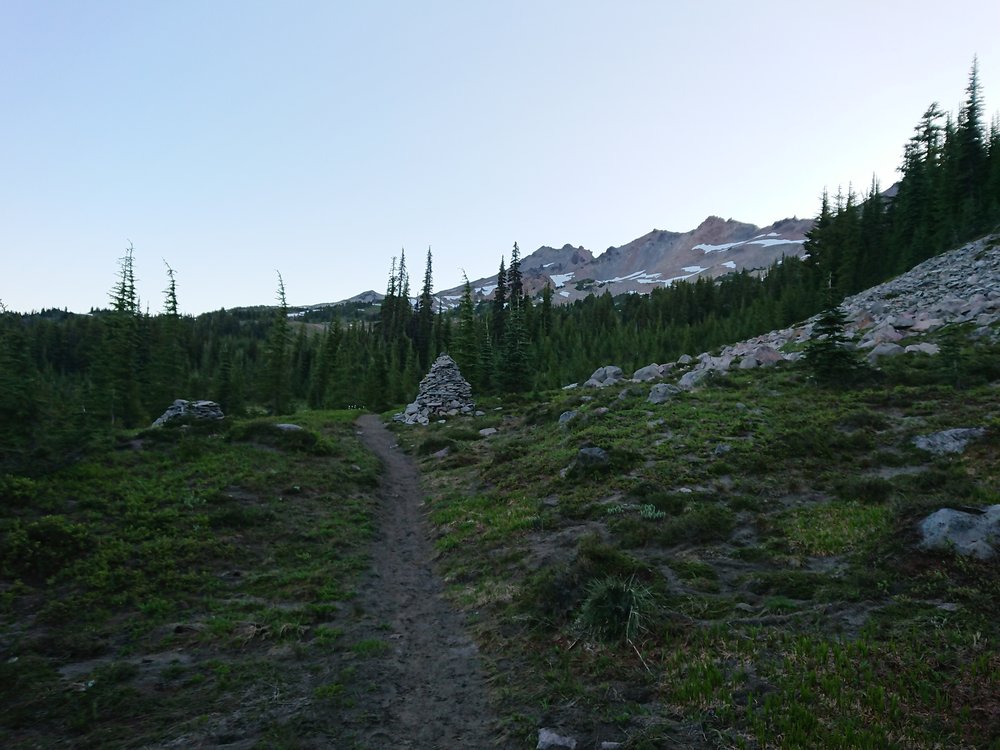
(714, 248)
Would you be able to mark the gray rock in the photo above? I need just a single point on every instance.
(925, 348)
(287, 427)
(969, 534)
(182, 410)
(487, 431)
(607, 375)
(549, 740)
(662, 392)
(690, 379)
(593, 457)
(685, 359)
(885, 350)
(567, 416)
(649, 372)
(948, 441)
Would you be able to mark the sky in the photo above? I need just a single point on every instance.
(234, 140)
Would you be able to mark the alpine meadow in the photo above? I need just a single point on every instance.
(754, 507)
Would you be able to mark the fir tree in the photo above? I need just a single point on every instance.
(829, 356)
(277, 369)
(515, 283)
(425, 318)
(499, 317)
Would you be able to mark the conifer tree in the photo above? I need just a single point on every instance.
(515, 283)
(277, 367)
(499, 316)
(120, 356)
(425, 318)
(466, 347)
(828, 355)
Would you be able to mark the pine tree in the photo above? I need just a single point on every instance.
(515, 283)
(499, 316)
(425, 318)
(513, 373)
(120, 356)
(277, 367)
(167, 361)
(828, 355)
(466, 347)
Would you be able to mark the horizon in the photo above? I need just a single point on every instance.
(234, 142)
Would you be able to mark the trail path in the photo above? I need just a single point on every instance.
(428, 690)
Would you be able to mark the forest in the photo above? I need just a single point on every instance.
(68, 380)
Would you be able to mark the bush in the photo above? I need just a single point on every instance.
(614, 608)
(43, 547)
(268, 433)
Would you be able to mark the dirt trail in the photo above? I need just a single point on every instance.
(428, 690)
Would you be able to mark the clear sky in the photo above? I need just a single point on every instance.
(237, 138)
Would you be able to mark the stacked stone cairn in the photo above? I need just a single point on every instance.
(183, 410)
(443, 393)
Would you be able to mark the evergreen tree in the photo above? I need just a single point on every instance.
(425, 318)
(466, 348)
(120, 357)
(168, 355)
(513, 373)
(276, 385)
(515, 283)
(829, 356)
(499, 305)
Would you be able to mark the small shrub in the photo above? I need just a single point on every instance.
(864, 489)
(434, 443)
(43, 547)
(614, 609)
(703, 524)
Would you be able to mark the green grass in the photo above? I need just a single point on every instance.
(223, 544)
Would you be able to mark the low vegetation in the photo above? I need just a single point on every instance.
(183, 581)
(745, 575)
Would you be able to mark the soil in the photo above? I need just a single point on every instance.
(428, 690)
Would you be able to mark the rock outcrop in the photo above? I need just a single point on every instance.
(182, 410)
(442, 393)
(970, 532)
(961, 286)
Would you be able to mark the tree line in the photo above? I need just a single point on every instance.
(67, 379)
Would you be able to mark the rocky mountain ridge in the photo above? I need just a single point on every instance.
(714, 248)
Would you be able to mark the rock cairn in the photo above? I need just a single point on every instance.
(182, 410)
(961, 286)
(443, 392)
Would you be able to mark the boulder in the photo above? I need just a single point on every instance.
(550, 740)
(662, 392)
(592, 458)
(607, 375)
(649, 372)
(567, 416)
(690, 379)
(182, 410)
(971, 533)
(948, 441)
(884, 350)
(925, 348)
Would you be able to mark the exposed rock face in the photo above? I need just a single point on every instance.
(968, 533)
(182, 410)
(442, 392)
(961, 286)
